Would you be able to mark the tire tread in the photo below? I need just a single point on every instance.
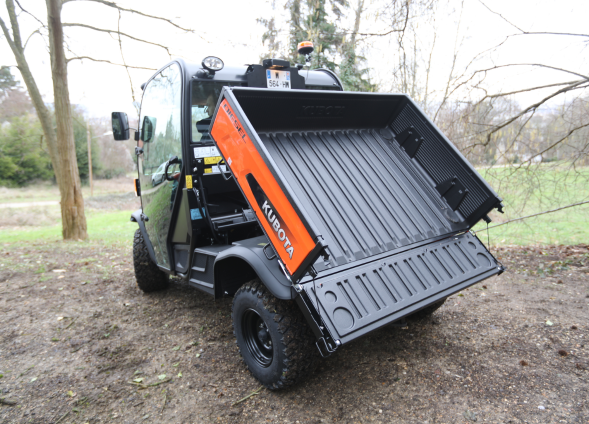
(149, 277)
(297, 340)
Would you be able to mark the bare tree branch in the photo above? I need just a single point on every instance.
(525, 111)
(29, 13)
(109, 31)
(502, 17)
(550, 33)
(116, 6)
(15, 41)
(531, 32)
(532, 107)
(37, 31)
(108, 61)
(401, 30)
(9, 40)
(491, 96)
(532, 64)
(124, 62)
(556, 143)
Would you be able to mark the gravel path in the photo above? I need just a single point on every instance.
(29, 204)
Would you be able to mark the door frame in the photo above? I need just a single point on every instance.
(185, 149)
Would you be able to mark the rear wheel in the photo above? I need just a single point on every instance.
(427, 311)
(149, 277)
(273, 337)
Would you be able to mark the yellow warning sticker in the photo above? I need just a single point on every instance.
(213, 160)
(189, 181)
(208, 170)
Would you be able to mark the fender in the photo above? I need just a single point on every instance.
(137, 217)
(252, 255)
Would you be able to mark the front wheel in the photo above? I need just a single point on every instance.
(273, 337)
(149, 277)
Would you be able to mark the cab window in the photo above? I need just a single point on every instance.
(204, 97)
(161, 136)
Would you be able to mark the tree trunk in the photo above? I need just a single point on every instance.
(68, 178)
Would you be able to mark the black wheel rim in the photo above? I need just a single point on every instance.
(257, 338)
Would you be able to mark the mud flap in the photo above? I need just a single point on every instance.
(363, 298)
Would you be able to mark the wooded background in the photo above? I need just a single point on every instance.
(523, 123)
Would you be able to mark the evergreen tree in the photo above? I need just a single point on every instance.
(310, 20)
(353, 76)
(7, 81)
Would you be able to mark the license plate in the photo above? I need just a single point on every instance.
(278, 79)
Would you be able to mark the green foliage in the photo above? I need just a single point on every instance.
(319, 21)
(351, 74)
(23, 152)
(312, 23)
(23, 155)
(7, 81)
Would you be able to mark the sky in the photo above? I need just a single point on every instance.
(229, 30)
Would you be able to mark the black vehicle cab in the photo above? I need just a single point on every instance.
(188, 198)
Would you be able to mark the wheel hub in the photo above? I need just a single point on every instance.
(257, 338)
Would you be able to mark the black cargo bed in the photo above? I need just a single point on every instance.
(368, 173)
(379, 201)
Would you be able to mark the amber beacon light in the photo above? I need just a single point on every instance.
(305, 48)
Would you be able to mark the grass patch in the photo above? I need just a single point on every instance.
(103, 227)
(43, 191)
(527, 191)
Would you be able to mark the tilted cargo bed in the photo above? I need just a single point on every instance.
(339, 181)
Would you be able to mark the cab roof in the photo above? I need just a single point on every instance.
(314, 79)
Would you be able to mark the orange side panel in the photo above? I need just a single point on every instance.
(287, 233)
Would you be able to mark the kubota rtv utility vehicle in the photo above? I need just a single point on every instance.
(325, 214)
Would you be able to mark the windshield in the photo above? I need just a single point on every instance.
(204, 96)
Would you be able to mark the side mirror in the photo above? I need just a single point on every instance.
(120, 126)
(148, 128)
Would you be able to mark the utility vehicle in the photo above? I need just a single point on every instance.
(325, 214)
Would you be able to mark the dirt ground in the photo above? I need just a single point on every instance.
(79, 343)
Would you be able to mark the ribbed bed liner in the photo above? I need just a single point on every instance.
(359, 191)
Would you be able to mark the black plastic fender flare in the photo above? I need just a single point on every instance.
(268, 270)
(137, 217)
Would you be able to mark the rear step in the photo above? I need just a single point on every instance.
(364, 298)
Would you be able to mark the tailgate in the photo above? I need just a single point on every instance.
(363, 298)
(349, 176)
